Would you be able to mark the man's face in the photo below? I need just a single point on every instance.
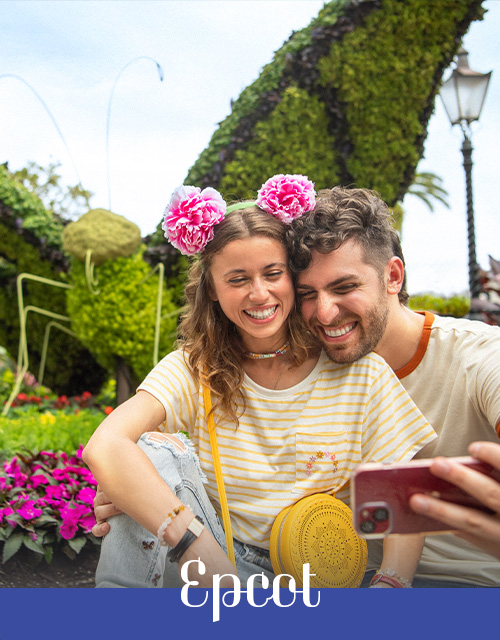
(344, 302)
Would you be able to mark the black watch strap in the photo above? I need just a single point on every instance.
(194, 530)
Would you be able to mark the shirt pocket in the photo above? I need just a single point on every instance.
(320, 462)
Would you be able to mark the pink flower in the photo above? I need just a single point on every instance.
(38, 479)
(6, 512)
(86, 495)
(287, 197)
(28, 511)
(191, 216)
(70, 516)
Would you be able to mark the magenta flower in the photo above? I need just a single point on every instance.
(287, 197)
(56, 492)
(86, 495)
(28, 511)
(70, 515)
(37, 480)
(7, 511)
(190, 218)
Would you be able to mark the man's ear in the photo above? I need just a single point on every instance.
(395, 273)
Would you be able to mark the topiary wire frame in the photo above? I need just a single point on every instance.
(92, 283)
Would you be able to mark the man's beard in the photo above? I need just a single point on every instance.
(371, 332)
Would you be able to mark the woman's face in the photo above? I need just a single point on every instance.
(253, 285)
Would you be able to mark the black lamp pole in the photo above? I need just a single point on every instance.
(463, 96)
(474, 280)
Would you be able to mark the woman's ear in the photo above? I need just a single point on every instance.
(212, 294)
(395, 273)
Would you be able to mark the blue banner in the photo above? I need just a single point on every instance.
(88, 614)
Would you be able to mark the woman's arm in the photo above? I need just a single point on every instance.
(400, 560)
(476, 527)
(129, 479)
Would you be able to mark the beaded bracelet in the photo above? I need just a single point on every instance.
(193, 532)
(390, 577)
(170, 516)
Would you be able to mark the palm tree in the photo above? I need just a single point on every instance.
(428, 187)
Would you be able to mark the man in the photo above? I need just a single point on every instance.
(351, 287)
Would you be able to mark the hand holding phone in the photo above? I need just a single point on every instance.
(380, 495)
(480, 529)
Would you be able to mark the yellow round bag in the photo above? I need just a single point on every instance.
(318, 529)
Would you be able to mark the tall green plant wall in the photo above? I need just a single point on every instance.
(345, 100)
(30, 242)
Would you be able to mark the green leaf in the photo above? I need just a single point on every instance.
(11, 546)
(33, 545)
(77, 544)
(49, 554)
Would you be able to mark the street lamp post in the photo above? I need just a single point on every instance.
(463, 97)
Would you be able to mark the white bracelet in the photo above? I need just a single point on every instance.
(170, 516)
(392, 574)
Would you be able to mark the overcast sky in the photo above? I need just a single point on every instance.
(72, 54)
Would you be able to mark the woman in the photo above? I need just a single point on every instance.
(289, 421)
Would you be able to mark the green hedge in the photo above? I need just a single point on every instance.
(29, 237)
(356, 87)
(457, 306)
(120, 321)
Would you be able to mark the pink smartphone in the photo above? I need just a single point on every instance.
(380, 493)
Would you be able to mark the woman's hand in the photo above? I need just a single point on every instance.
(103, 509)
(476, 527)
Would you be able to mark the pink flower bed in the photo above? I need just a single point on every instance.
(46, 502)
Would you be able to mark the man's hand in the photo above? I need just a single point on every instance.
(103, 509)
(472, 525)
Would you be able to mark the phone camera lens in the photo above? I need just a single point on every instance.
(367, 526)
(380, 514)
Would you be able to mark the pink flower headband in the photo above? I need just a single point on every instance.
(192, 213)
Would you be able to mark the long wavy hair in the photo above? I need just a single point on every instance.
(212, 344)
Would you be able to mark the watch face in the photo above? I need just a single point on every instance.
(196, 526)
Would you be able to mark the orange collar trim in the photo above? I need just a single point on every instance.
(422, 346)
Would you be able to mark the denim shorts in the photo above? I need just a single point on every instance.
(132, 557)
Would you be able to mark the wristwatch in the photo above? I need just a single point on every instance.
(195, 527)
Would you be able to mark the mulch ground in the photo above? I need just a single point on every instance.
(22, 572)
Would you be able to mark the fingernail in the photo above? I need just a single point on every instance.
(442, 465)
(474, 449)
(419, 503)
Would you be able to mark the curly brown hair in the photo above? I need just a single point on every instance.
(339, 215)
(214, 348)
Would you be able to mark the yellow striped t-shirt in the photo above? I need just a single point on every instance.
(293, 442)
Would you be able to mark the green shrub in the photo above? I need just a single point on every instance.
(457, 306)
(51, 430)
(119, 321)
(30, 242)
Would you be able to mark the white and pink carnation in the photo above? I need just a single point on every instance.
(287, 196)
(190, 218)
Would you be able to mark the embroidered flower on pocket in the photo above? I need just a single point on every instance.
(319, 456)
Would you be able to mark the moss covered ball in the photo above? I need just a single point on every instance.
(108, 235)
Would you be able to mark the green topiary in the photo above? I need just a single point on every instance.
(119, 321)
(373, 67)
(31, 242)
(106, 234)
(287, 141)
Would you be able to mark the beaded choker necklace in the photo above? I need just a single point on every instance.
(273, 354)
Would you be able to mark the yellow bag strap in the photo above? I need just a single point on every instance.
(218, 474)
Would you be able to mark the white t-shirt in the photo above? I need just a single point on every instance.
(293, 442)
(454, 378)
